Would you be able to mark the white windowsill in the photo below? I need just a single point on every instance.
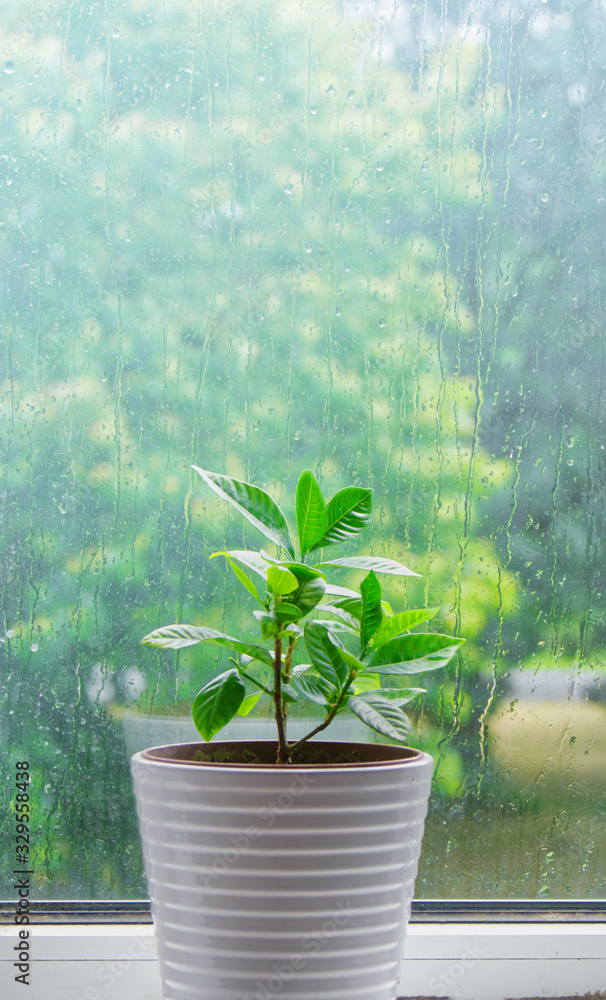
(468, 961)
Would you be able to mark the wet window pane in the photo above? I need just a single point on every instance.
(361, 238)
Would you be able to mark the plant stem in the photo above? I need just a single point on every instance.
(292, 641)
(253, 680)
(293, 747)
(283, 749)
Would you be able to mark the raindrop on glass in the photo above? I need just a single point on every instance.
(9, 67)
(288, 189)
(260, 77)
(577, 94)
(380, 167)
(313, 111)
(382, 322)
(34, 647)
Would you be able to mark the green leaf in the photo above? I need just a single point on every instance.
(348, 605)
(372, 613)
(311, 587)
(348, 619)
(242, 577)
(381, 715)
(325, 655)
(334, 626)
(367, 682)
(254, 504)
(178, 636)
(288, 613)
(292, 629)
(353, 606)
(402, 622)
(248, 557)
(413, 654)
(273, 560)
(375, 563)
(347, 514)
(311, 511)
(281, 581)
(352, 661)
(268, 622)
(316, 688)
(249, 703)
(371, 684)
(403, 696)
(217, 703)
(289, 693)
(333, 591)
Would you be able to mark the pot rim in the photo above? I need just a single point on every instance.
(377, 755)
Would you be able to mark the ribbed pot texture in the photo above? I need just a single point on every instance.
(291, 881)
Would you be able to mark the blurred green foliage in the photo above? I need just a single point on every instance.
(260, 237)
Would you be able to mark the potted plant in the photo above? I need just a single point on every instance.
(286, 868)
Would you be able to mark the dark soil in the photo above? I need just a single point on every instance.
(308, 755)
(253, 753)
(221, 756)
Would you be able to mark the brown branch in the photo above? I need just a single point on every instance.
(293, 747)
(283, 750)
(292, 641)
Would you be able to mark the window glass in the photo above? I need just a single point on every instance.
(266, 235)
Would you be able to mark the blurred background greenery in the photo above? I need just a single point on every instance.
(361, 238)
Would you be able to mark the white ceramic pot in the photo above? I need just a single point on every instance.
(281, 881)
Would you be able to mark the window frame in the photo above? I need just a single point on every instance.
(464, 948)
